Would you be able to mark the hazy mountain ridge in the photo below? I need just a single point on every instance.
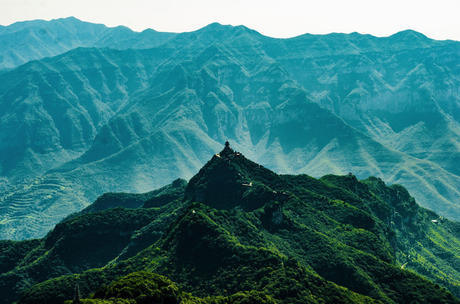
(85, 86)
(419, 89)
(170, 106)
(32, 40)
(293, 239)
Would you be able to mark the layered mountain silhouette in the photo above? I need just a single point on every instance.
(131, 117)
(240, 233)
(32, 40)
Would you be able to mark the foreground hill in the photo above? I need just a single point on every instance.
(387, 107)
(240, 233)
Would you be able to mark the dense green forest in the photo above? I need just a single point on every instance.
(240, 233)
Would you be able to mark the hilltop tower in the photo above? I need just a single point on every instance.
(227, 150)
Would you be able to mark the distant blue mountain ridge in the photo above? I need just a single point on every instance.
(86, 109)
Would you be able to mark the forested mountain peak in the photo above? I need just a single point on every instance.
(240, 233)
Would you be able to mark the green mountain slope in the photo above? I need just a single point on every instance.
(311, 104)
(240, 231)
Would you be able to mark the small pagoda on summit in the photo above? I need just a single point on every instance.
(227, 152)
(227, 149)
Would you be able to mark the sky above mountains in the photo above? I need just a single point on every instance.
(436, 19)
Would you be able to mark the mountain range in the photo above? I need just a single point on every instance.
(33, 40)
(115, 110)
(240, 233)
